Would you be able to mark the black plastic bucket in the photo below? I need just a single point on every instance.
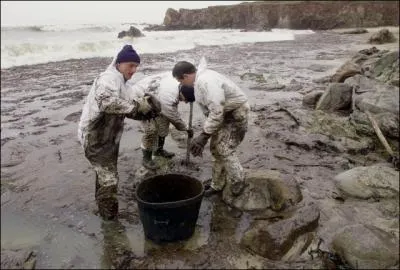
(169, 206)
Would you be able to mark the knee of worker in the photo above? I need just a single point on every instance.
(149, 138)
(163, 131)
(107, 176)
(221, 151)
(163, 126)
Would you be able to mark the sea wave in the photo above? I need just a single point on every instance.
(65, 28)
(27, 49)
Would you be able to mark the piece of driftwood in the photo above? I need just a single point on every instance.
(380, 134)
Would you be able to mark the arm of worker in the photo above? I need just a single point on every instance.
(108, 99)
(215, 102)
(170, 111)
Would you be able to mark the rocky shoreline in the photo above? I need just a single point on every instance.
(327, 174)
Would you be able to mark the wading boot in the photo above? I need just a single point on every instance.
(147, 162)
(107, 202)
(160, 151)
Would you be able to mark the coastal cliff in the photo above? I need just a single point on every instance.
(316, 15)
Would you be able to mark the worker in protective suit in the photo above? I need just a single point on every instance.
(102, 122)
(227, 111)
(167, 90)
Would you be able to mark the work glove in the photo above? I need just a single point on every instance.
(198, 143)
(154, 102)
(143, 105)
(190, 133)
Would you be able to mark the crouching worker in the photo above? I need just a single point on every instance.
(227, 111)
(167, 90)
(102, 122)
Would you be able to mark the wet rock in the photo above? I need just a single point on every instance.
(18, 259)
(312, 98)
(266, 189)
(349, 69)
(361, 123)
(386, 68)
(274, 240)
(388, 123)
(310, 142)
(267, 87)
(366, 182)
(132, 32)
(369, 51)
(381, 37)
(355, 31)
(249, 76)
(366, 247)
(155, 27)
(377, 97)
(336, 97)
(352, 146)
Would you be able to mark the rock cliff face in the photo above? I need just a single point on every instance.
(316, 15)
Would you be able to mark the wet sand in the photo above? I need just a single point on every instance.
(47, 185)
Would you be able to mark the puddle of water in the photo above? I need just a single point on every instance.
(243, 225)
(57, 246)
(18, 233)
(202, 230)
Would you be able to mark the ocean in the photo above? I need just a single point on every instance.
(41, 44)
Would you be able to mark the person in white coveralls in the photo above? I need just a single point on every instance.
(227, 110)
(102, 123)
(168, 91)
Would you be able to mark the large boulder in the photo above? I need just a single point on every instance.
(265, 189)
(348, 69)
(365, 182)
(379, 101)
(381, 37)
(386, 68)
(387, 122)
(374, 96)
(132, 32)
(274, 240)
(312, 98)
(336, 97)
(366, 247)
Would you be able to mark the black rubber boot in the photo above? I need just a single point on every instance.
(147, 162)
(160, 151)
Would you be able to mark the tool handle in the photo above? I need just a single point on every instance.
(189, 139)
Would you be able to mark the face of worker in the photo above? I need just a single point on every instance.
(188, 79)
(127, 69)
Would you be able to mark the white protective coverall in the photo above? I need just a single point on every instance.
(166, 88)
(100, 130)
(227, 111)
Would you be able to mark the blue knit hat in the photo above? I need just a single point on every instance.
(128, 54)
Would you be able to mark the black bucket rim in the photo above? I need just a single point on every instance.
(169, 204)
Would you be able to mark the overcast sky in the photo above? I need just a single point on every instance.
(71, 12)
